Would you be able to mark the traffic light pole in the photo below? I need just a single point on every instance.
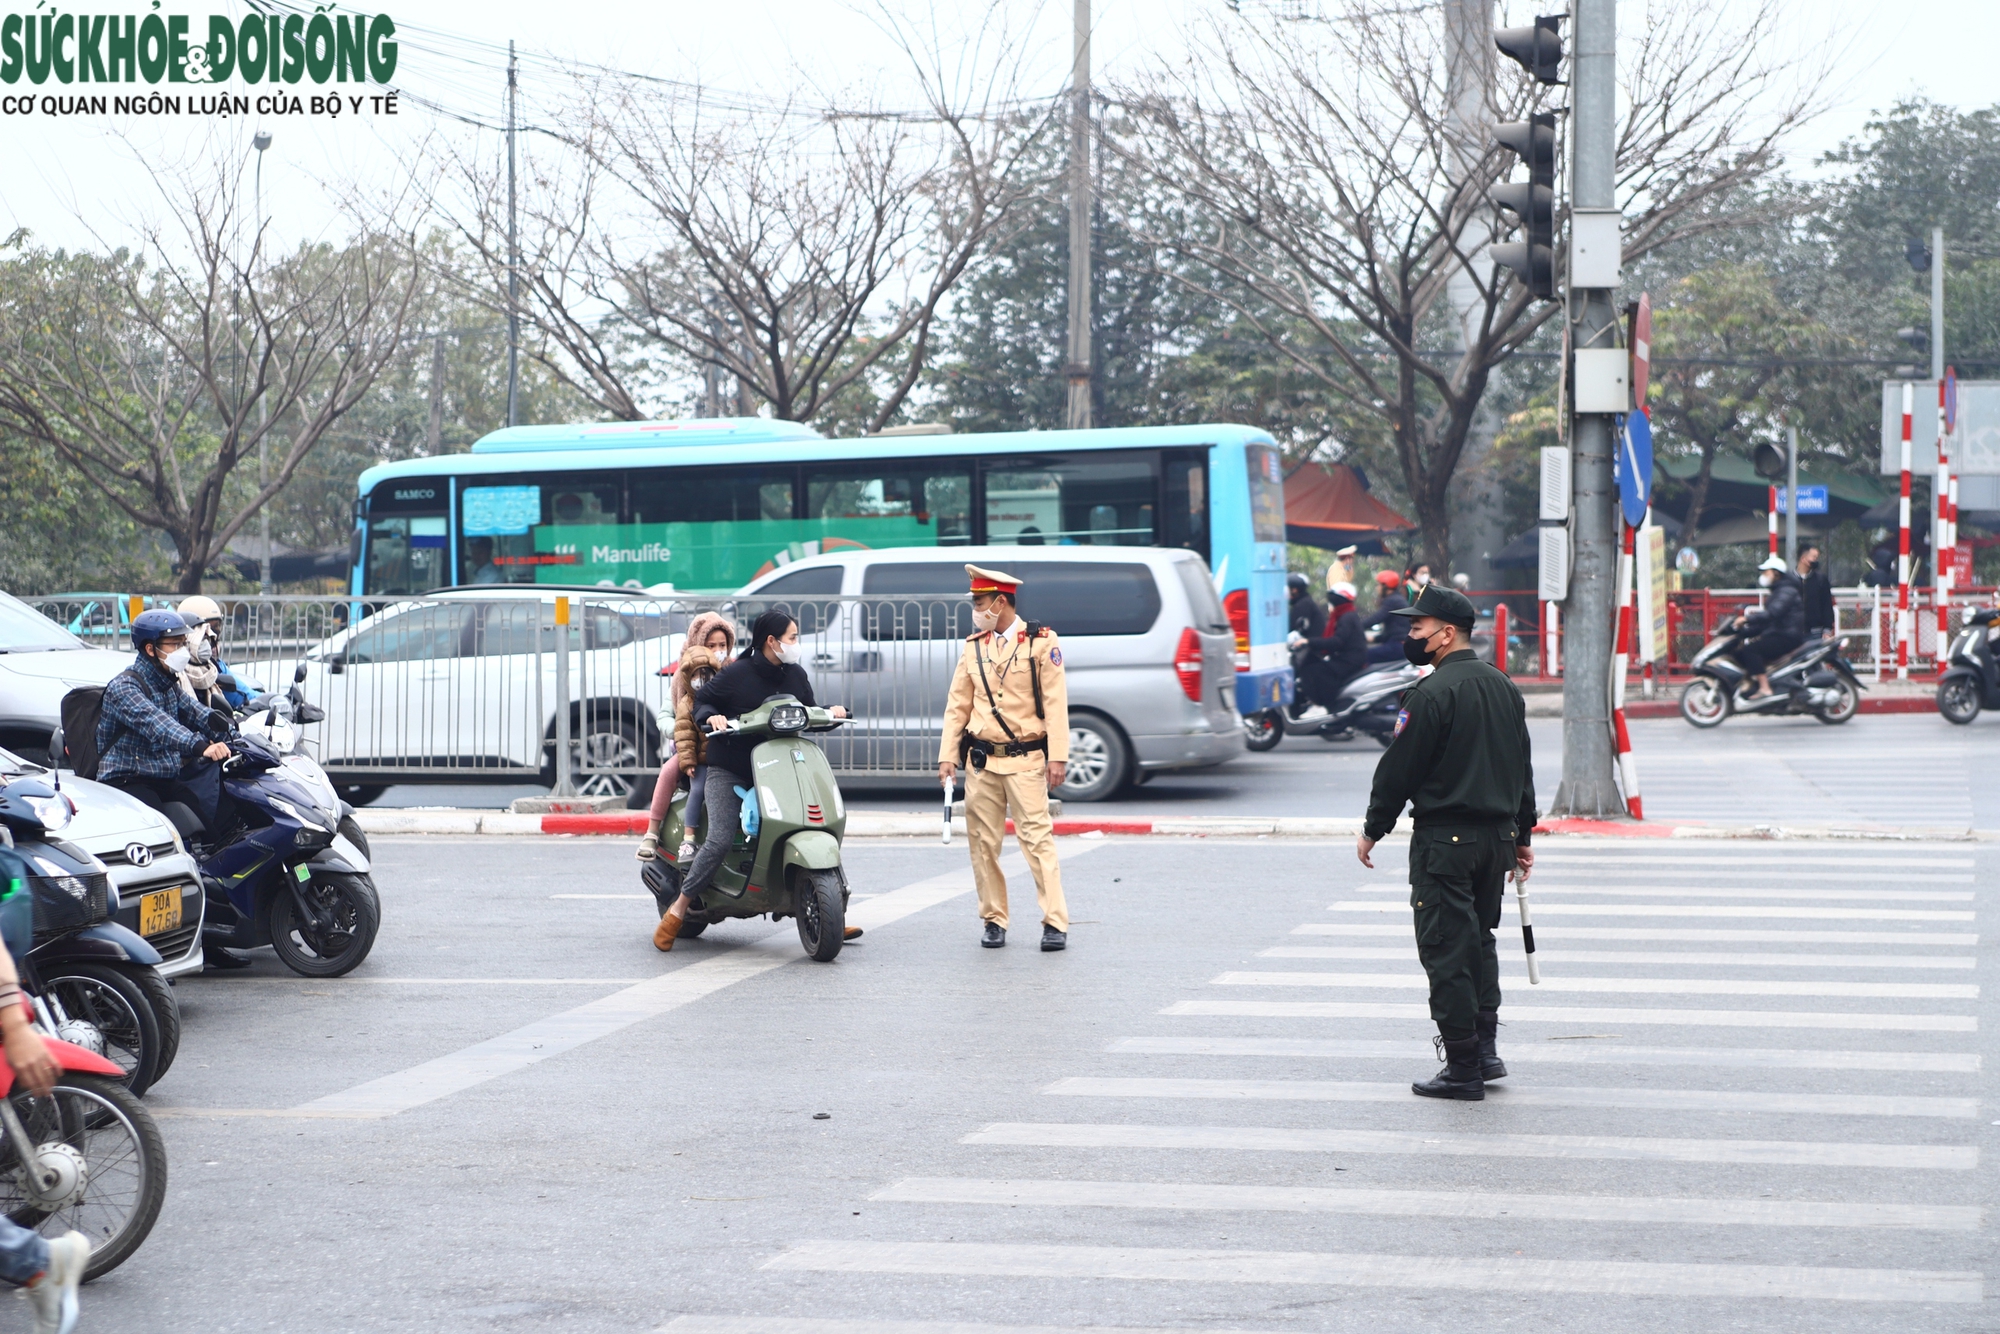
(1589, 789)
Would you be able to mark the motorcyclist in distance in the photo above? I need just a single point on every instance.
(1780, 625)
(152, 735)
(1336, 657)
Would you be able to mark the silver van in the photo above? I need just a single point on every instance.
(1147, 649)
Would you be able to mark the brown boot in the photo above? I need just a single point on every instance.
(665, 933)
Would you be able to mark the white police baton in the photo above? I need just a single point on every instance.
(1527, 926)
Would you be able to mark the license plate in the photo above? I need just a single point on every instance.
(159, 912)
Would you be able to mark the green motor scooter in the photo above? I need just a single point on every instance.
(792, 867)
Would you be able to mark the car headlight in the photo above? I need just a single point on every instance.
(298, 814)
(53, 812)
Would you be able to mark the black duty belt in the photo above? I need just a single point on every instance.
(978, 748)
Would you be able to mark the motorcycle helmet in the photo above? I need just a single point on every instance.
(1296, 584)
(1343, 589)
(1388, 580)
(150, 627)
(201, 608)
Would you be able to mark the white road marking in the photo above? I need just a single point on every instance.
(1507, 1095)
(1774, 860)
(544, 1038)
(1537, 887)
(778, 1324)
(620, 897)
(1588, 1014)
(1732, 935)
(1767, 959)
(1446, 1144)
(1700, 910)
(1509, 1274)
(1432, 1203)
(1653, 986)
(1554, 1052)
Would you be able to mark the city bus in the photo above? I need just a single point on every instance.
(706, 506)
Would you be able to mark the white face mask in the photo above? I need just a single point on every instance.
(791, 652)
(1420, 578)
(987, 621)
(1767, 578)
(177, 661)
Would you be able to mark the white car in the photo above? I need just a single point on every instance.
(461, 687)
(156, 881)
(40, 662)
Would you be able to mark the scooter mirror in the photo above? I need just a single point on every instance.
(299, 676)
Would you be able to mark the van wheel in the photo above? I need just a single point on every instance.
(1100, 761)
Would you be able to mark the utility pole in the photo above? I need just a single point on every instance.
(1078, 416)
(1937, 307)
(513, 263)
(261, 141)
(1792, 499)
(434, 437)
(1588, 789)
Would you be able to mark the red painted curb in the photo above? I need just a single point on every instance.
(1660, 708)
(608, 822)
(1616, 828)
(1098, 826)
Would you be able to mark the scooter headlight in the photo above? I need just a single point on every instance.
(788, 718)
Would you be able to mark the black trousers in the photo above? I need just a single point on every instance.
(1457, 875)
(198, 787)
(1766, 649)
(1323, 682)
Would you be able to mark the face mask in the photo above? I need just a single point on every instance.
(1420, 579)
(177, 661)
(986, 622)
(791, 653)
(1768, 578)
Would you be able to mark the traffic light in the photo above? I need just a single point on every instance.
(1533, 201)
(1538, 49)
(1918, 254)
(1770, 461)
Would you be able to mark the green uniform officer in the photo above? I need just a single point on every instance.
(1460, 759)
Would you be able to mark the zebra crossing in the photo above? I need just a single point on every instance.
(1650, 1146)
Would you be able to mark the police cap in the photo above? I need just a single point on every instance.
(1447, 604)
(991, 581)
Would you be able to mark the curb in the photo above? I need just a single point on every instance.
(1662, 708)
(872, 824)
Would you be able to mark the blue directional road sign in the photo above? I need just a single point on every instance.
(1635, 467)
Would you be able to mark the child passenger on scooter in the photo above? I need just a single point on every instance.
(711, 638)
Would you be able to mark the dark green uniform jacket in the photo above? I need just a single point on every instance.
(1460, 755)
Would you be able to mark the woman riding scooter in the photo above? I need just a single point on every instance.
(1336, 657)
(1781, 624)
(769, 666)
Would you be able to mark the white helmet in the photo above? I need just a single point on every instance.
(1773, 563)
(1342, 589)
(201, 608)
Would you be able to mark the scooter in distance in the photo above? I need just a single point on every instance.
(1813, 679)
(1972, 672)
(788, 864)
(1367, 706)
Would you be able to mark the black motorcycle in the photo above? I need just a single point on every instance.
(98, 980)
(1972, 671)
(1813, 679)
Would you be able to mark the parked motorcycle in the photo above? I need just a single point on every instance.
(1814, 679)
(1367, 705)
(99, 980)
(790, 866)
(1972, 671)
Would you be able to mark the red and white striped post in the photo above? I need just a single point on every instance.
(1941, 552)
(1628, 766)
(1500, 636)
(1903, 626)
(1772, 515)
(1551, 640)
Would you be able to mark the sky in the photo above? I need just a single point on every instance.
(86, 182)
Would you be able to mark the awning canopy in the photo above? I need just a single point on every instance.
(1327, 505)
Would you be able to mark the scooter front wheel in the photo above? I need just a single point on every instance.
(349, 914)
(1958, 699)
(1705, 703)
(106, 1166)
(821, 911)
(1263, 731)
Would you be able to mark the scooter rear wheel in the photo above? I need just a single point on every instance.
(1849, 705)
(822, 913)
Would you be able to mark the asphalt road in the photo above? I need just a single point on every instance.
(518, 1116)
(1908, 769)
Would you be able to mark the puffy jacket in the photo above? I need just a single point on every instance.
(698, 665)
(1784, 610)
(1305, 616)
(1344, 646)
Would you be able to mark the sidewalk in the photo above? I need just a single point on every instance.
(878, 824)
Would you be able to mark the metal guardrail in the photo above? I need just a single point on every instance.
(525, 688)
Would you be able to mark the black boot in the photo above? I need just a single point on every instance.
(1460, 1076)
(994, 937)
(1490, 1064)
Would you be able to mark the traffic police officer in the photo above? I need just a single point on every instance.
(1460, 759)
(1007, 715)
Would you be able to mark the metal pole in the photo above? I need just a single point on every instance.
(1792, 499)
(565, 779)
(262, 141)
(1078, 415)
(1589, 789)
(1903, 546)
(1937, 303)
(513, 263)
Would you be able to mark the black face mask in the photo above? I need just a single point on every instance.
(1417, 651)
